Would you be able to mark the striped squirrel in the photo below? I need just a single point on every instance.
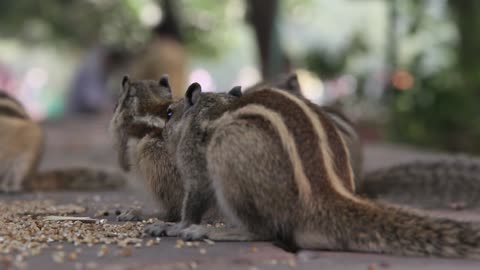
(21, 148)
(279, 169)
(136, 127)
(140, 110)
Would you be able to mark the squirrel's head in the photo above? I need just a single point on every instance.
(141, 96)
(208, 105)
(196, 109)
(288, 82)
(140, 100)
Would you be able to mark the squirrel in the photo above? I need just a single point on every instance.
(21, 148)
(140, 110)
(278, 168)
(136, 127)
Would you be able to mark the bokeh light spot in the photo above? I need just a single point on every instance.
(402, 80)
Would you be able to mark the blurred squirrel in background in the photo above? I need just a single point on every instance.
(21, 149)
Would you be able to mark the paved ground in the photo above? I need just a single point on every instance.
(86, 142)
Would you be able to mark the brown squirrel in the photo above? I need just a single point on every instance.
(21, 148)
(277, 166)
(136, 127)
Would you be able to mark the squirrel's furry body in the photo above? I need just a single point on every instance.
(282, 173)
(137, 124)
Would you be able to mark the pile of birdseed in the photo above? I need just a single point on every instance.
(26, 228)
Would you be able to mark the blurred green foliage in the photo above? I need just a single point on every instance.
(441, 110)
(437, 112)
(207, 24)
(329, 65)
(78, 23)
(117, 23)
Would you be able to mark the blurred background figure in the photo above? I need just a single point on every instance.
(88, 93)
(164, 52)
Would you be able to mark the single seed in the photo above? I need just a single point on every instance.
(292, 263)
(126, 252)
(150, 243)
(72, 256)
(208, 241)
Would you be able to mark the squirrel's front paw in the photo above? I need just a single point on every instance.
(176, 229)
(157, 229)
(194, 232)
(164, 229)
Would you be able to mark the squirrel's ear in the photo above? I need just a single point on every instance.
(192, 94)
(292, 84)
(164, 81)
(165, 84)
(125, 80)
(236, 91)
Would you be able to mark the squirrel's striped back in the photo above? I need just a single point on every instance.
(10, 107)
(316, 149)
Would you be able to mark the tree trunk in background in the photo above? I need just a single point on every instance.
(392, 49)
(467, 18)
(170, 24)
(262, 15)
(391, 64)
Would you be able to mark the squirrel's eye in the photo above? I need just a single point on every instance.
(169, 113)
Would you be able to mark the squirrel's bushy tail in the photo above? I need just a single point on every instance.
(445, 182)
(383, 229)
(75, 179)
